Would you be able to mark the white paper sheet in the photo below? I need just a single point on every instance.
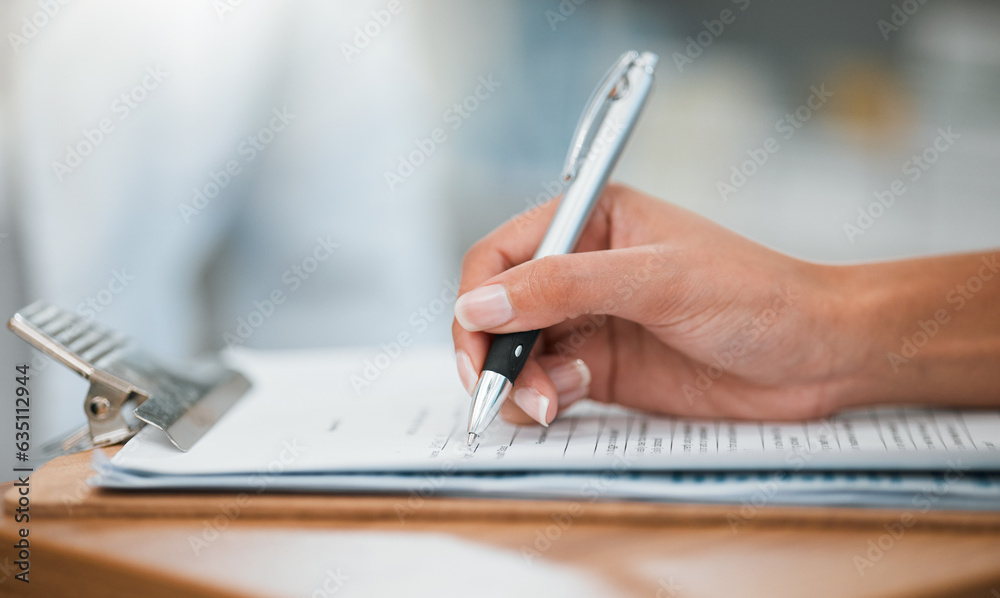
(351, 411)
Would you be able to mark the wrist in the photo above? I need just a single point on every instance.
(901, 336)
(848, 310)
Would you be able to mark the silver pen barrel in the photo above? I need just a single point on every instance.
(614, 109)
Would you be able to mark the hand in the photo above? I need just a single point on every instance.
(658, 309)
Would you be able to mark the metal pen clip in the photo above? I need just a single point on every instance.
(611, 87)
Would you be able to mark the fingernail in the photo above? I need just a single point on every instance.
(466, 372)
(534, 403)
(570, 379)
(483, 308)
(567, 399)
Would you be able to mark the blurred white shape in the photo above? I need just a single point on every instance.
(255, 119)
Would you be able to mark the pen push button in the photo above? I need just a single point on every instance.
(517, 358)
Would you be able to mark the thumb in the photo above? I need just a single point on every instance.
(632, 283)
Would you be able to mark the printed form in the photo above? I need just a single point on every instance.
(306, 414)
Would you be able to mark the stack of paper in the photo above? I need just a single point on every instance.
(330, 422)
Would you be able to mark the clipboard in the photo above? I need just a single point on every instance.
(129, 388)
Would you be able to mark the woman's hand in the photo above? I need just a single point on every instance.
(666, 311)
(659, 309)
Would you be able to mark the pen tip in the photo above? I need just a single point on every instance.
(472, 438)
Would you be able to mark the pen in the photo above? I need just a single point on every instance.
(600, 137)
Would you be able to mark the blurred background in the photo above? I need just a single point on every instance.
(166, 167)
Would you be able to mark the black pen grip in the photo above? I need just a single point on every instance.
(509, 352)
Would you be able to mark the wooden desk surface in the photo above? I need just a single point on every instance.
(241, 557)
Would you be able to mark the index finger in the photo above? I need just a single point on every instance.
(512, 243)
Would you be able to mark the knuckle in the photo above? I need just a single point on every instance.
(546, 284)
(617, 193)
(474, 255)
(615, 189)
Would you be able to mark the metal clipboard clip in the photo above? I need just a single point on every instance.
(128, 387)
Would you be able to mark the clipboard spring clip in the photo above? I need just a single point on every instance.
(128, 387)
